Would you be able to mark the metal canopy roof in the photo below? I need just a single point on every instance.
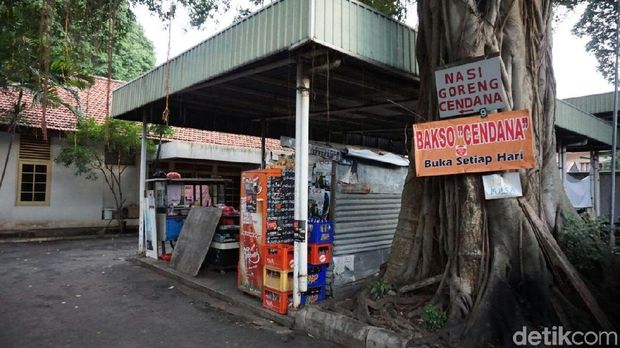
(573, 124)
(247, 73)
(361, 64)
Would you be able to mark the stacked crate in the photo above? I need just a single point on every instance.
(320, 240)
(278, 277)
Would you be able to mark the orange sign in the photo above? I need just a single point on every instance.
(498, 142)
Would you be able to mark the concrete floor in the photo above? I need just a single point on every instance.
(84, 294)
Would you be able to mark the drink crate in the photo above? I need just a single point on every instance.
(319, 254)
(277, 301)
(316, 275)
(313, 295)
(278, 280)
(321, 232)
(279, 256)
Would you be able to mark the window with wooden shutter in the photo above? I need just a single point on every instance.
(34, 171)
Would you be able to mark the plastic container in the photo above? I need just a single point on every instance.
(279, 256)
(173, 227)
(321, 232)
(319, 254)
(278, 280)
(313, 295)
(277, 301)
(317, 275)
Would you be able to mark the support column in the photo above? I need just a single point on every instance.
(302, 121)
(595, 179)
(263, 130)
(142, 192)
(562, 162)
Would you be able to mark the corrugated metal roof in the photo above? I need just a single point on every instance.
(595, 103)
(574, 119)
(344, 25)
(363, 32)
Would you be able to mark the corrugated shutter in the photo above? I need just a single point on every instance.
(34, 148)
(365, 222)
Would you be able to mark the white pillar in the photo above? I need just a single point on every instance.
(142, 191)
(302, 120)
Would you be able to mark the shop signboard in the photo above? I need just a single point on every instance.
(502, 185)
(474, 87)
(501, 141)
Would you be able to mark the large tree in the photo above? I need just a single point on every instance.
(500, 263)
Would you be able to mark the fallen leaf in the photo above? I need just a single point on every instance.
(78, 295)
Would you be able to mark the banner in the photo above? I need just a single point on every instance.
(498, 142)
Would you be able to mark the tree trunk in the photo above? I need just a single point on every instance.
(496, 276)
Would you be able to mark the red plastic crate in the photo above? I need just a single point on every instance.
(279, 256)
(319, 254)
(277, 301)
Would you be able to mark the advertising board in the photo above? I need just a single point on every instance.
(501, 141)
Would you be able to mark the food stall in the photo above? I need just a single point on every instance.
(173, 199)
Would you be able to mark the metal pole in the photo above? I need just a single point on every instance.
(614, 141)
(302, 120)
(263, 162)
(142, 191)
(296, 291)
(596, 180)
(303, 194)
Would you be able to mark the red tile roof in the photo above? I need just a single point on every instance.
(92, 102)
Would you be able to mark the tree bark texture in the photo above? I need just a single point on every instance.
(496, 276)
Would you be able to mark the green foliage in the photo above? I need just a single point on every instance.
(433, 317)
(396, 9)
(582, 241)
(79, 34)
(380, 288)
(598, 23)
(133, 56)
(199, 11)
(84, 149)
(393, 8)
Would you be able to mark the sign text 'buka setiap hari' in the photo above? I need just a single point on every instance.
(498, 142)
(470, 88)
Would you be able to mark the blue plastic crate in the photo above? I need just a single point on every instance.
(317, 275)
(313, 295)
(173, 227)
(321, 232)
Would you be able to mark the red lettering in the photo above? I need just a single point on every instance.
(498, 98)
(492, 132)
(501, 136)
(471, 73)
(519, 134)
(419, 143)
(467, 134)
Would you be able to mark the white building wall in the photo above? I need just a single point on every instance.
(74, 201)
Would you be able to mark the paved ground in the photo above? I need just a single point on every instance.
(84, 294)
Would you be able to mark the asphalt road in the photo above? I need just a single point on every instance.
(84, 294)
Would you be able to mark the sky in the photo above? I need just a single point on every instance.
(575, 69)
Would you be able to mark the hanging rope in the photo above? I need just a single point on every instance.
(166, 113)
